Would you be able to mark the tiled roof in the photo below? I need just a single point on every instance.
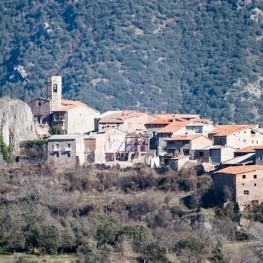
(169, 117)
(70, 104)
(120, 117)
(248, 149)
(177, 115)
(240, 169)
(260, 147)
(173, 127)
(225, 130)
(158, 121)
(184, 137)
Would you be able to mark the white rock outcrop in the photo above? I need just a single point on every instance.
(16, 122)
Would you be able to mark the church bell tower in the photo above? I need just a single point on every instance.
(55, 92)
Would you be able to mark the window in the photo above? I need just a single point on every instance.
(39, 104)
(201, 154)
(255, 176)
(260, 158)
(68, 154)
(55, 88)
(246, 192)
(69, 145)
(244, 176)
(243, 184)
(255, 184)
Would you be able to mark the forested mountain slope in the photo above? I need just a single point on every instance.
(202, 56)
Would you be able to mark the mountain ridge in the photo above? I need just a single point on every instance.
(193, 56)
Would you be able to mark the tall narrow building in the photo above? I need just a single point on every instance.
(55, 92)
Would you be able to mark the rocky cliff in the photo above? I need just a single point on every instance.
(16, 122)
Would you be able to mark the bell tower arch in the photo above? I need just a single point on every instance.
(55, 92)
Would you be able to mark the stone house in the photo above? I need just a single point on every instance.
(162, 120)
(66, 149)
(71, 116)
(186, 144)
(41, 110)
(245, 181)
(74, 117)
(172, 129)
(236, 136)
(126, 121)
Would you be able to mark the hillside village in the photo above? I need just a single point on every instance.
(77, 134)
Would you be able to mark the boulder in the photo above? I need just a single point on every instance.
(16, 122)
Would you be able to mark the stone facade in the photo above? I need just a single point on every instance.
(40, 108)
(245, 181)
(66, 149)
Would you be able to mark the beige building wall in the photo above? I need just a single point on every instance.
(80, 150)
(80, 120)
(202, 129)
(133, 124)
(244, 138)
(109, 142)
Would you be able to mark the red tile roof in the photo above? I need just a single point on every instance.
(70, 104)
(260, 147)
(158, 121)
(248, 149)
(225, 130)
(169, 117)
(240, 169)
(120, 117)
(173, 127)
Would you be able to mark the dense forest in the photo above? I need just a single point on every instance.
(188, 56)
(133, 215)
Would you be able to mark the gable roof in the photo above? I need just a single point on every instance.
(70, 104)
(240, 169)
(158, 121)
(225, 130)
(248, 149)
(260, 147)
(120, 117)
(173, 127)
